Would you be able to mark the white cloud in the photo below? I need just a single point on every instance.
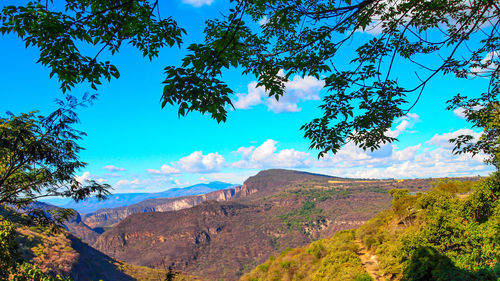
(245, 152)
(81, 179)
(406, 122)
(196, 162)
(112, 168)
(127, 182)
(267, 156)
(433, 158)
(198, 3)
(164, 170)
(442, 140)
(296, 90)
(460, 112)
(252, 98)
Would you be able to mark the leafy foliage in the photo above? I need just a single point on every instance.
(482, 112)
(312, 37)
(39, 158)
(11, 267)
(439, 235)
(328, 259)
(365, 95)
(59, 31)
(306, 217)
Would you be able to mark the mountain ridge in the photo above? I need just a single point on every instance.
(124, 199)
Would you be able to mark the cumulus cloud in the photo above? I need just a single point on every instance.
(254, 96)
(101, 180)
(164, 170)
(112, 168)
(405, 122)
(267, 156)
(198, 3)
(442, 140)
(489, 64)
(196, 162)
(459, 112)
(433, 158)
(296, 90)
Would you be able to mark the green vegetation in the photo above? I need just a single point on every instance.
(320, 194)
(439, 233)
(448, 233)
(308, 216)
(302, 38)
(39, 158)
(44, 253)
(328, 259)
(11, 267)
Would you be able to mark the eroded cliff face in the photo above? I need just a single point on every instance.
(105, 218)
(213, 239)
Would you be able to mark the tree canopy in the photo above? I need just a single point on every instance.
(39, 158)
(294, 37)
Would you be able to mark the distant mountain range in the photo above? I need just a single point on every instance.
(125, 199)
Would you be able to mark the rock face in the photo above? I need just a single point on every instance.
(213, 238)
(125, 199)
(105, 218)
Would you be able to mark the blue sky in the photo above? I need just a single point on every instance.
(136, 146)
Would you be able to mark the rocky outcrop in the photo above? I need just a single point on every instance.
(106, 218)
(201, 239)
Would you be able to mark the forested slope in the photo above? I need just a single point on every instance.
(448, 233)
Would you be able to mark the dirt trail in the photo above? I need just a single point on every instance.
(370, 262)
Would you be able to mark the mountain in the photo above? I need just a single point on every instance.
(74, 224)
(61, 253)
(274, 209)
(104, 218)
(448, 233)
(125, 199)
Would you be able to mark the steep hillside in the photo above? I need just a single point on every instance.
(274, 210)
(57, 252)
(74, 224)
(448, 233)
(125, 199)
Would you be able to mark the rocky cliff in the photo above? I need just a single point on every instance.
(105, 218)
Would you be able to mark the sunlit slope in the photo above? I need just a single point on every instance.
(57, 252)
(449, 233)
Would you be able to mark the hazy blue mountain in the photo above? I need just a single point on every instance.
(124, 199)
